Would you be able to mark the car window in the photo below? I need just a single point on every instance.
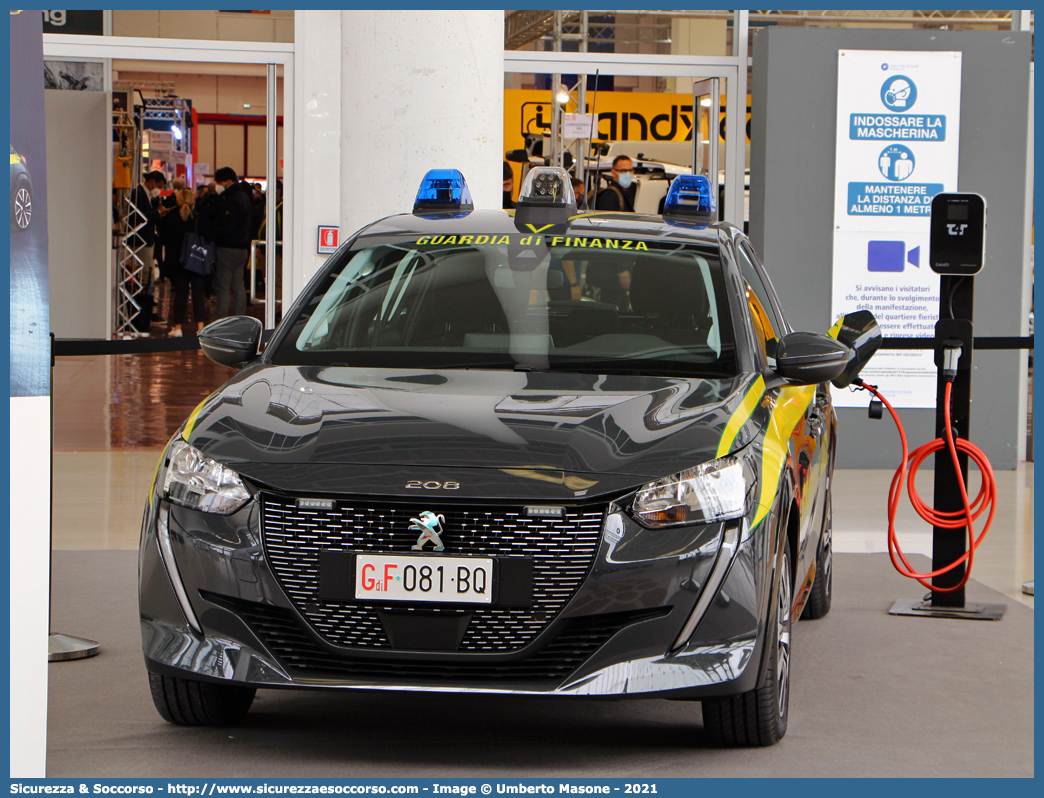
(767, 324)
(417, 304)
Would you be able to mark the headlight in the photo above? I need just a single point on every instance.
(193, 480)
(714, 491)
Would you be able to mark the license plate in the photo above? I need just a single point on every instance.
(402, 577)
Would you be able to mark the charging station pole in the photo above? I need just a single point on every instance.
(956, 296)
(958, 248)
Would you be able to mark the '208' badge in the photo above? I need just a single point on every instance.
(432, 485)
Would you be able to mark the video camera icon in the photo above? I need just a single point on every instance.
(891, 256)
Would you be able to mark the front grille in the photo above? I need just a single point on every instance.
(562, 550)
(281, 633)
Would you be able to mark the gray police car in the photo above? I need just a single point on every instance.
(541, 453)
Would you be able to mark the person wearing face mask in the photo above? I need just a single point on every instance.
(620, 189)
(229, 215)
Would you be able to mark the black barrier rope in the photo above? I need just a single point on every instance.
(992, 342)
(76, 347)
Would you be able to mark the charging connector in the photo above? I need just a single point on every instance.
(951, 356)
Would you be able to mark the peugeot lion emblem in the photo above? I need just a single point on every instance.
(430, 527)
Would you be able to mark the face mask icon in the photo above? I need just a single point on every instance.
(898, 94)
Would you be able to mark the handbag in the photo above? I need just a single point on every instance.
(197, 254)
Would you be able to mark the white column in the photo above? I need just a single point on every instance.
(30, 581)
(317, 142)
(420, 90)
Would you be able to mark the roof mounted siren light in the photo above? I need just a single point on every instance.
(690, 201)
(546, 197)
(443, 191)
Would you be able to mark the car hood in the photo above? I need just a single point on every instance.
(493, 432)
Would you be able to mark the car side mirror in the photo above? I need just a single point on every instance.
(860, 332)
(807, 358)
(233, 341)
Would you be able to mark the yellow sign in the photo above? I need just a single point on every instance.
(622, 116)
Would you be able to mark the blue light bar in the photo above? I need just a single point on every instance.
(689, 195)
(443, 190)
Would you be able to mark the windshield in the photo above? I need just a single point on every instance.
(504, 301)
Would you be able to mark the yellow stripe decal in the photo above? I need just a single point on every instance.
(739, 418)
(192, 419)
(791, 405)
(834, 331)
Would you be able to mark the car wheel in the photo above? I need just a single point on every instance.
(21, 206)
(190, 703)
(759, 716)
(818, 604)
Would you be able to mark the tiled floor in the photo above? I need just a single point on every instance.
(113, 415)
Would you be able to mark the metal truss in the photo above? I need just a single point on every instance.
(523, 27)
(130, 268)
(131, 277)
(932, 18)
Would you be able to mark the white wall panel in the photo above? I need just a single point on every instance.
(317, 151)
(79, 211)
(30, 544)
(430, 96)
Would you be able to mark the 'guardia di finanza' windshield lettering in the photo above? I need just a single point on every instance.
(536, 241)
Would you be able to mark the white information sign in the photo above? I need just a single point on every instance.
(578, 126)
(898, 123)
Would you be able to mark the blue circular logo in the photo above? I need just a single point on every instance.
(896, 162)
(899, 93)
(884, 66)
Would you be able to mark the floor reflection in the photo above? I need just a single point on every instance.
(128, 401)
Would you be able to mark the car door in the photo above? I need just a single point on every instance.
(810, 438)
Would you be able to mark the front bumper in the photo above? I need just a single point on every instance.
(617, 635)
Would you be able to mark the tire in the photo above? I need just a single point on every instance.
(818, 604)
(21, 205)
(759, 716)
(188, 703)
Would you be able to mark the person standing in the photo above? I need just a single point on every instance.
(613, 280)
(175, 225)
(620, 190)
(230, 217)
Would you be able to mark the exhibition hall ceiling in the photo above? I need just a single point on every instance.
(523, 28)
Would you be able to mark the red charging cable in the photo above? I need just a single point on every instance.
(958, 519)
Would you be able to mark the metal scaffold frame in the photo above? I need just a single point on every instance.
(130, 268)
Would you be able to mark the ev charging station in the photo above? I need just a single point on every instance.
(958, 247)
